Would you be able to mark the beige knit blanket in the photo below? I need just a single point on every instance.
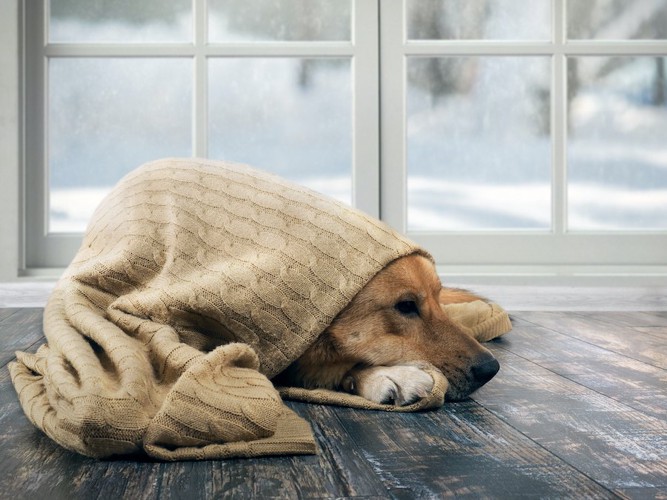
(196, 283)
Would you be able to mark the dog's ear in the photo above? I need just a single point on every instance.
(458, 295)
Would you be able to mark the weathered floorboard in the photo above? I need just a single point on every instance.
(645, 345)
(607, 440)
(19, 331)
(461, 450)
(634, 383)
(633, 319)
(6, 313)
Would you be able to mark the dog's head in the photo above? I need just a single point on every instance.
(397, 317)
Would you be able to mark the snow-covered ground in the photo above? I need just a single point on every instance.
(477, 159)
(71, 208)
(617, 151)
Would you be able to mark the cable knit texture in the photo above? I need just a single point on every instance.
(196, 283)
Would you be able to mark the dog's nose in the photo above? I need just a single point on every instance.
(485, 369)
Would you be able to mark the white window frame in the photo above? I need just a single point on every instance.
(54, 250)
(521, 253)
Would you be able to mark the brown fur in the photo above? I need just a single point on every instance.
(395, 322)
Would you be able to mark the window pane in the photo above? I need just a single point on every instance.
(478, 143)
(106, 116)
(284, 20)
(617, 20)
(120, 21)
(478, 20)
(617, 150)
(288, 115)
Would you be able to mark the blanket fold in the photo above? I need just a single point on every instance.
(223, 407)
(196, 283)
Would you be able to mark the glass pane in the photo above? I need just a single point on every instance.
(478, 143)
(478, 20)
(120, 21)
(287, 115)
(617, 20)
(617, 149)
(284, 20)
(105, 117)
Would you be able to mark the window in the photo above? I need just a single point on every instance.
(526, 140)
(288, 86)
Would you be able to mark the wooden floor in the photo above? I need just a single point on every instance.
(578, 410)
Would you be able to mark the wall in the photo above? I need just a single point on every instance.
(9, 140)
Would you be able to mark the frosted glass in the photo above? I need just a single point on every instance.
(280, 20)
(478, 144)
(614, 20)
(478, 20)
(288, 115)
(120, 21)
(106, 116)
(617, 148)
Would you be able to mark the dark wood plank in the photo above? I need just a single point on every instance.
(323, 475)
(633, 318)
(345, 459)
(656, 331)
(21, 330)
(460, 450)
(621, 339)
(643, 493)
(607, 440)
(6, 312)
(636, 384)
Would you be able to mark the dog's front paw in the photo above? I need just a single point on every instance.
(399, 385)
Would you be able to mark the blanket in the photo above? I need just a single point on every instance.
(195, 284)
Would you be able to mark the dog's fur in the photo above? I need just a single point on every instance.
(377, 346)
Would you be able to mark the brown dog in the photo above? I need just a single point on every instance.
(377, 346)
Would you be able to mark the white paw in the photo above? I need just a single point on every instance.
(399, 385)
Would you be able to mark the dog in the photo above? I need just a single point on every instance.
(378, 346)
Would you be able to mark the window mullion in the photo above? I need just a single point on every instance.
(393, 179)
(476, 48)
(200, 95)
(366, 108)
(559, 122)
(36, 176)
(118, 50)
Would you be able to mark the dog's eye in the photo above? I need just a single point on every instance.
(407, 308)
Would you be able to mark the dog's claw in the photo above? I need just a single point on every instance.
(348, 385)
(390, 397)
